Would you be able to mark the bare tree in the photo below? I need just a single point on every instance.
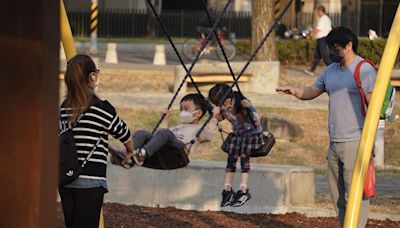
(261, 20)
(151, 19)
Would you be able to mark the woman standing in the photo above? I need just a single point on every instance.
(92, 120)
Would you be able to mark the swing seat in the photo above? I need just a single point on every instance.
(264, 149)
(167, 158)
(269, 142)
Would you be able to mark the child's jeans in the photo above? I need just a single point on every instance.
(152, 143)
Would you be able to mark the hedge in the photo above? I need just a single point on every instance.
(302, 51)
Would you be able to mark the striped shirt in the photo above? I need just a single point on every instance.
(98, 121)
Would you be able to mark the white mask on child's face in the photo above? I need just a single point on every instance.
(186, 117)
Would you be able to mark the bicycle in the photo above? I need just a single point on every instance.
(191, 47)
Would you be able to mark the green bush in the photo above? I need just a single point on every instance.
(302, 51)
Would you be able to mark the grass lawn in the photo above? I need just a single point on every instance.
(309, 150)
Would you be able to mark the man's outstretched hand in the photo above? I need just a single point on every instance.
(286, 89)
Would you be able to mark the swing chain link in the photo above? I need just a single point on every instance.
(204, 44)
(194, 61)
(276, 22)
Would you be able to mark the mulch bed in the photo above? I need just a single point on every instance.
(122, 216)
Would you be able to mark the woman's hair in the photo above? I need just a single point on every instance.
(342, 36)
(218, 92)
(79, 95)
(199, 102)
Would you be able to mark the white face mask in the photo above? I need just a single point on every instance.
(186, 117)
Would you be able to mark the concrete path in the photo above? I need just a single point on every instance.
(142, 53)
(388, 186)
(161, 100)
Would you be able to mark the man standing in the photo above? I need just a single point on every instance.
(320, 32)
(345, 113)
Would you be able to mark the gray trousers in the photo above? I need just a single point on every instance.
(341, 158)
(152, 143)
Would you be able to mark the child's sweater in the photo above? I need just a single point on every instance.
(242, 124)
(187, 132)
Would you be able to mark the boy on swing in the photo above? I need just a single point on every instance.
(192, 108)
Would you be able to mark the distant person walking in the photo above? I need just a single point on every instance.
(324, 26)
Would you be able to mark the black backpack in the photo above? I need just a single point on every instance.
(69, 166)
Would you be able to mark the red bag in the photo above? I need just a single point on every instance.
(369, 184)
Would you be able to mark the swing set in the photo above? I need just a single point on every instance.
(173, 158)
(170, 158)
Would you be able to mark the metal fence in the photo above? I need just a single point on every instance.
(377, 15)
(127, 23)
(123, 23)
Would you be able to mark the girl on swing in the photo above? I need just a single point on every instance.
(246, 136)
(192, 108)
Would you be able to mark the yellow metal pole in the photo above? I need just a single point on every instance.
(371, 123)
(101, 222)
(66, 33)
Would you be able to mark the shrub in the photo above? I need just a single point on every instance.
(302, 51)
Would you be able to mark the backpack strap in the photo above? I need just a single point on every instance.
(358, 82)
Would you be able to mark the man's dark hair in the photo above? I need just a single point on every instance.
(218, 92)
(199, 102)
(342, 36)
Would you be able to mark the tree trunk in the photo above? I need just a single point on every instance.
(261, 21)
(151, 19)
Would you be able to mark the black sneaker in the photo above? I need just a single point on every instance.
(227, 197)
(139, 156)
(240, 198)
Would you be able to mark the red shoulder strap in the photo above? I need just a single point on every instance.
(358, 82)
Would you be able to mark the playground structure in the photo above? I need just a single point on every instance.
(43, 159)
(372, 117)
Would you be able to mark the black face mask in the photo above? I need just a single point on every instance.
(335, 56)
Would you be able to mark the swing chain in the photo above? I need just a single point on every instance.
(194, 61)
(219, 43)
(235, 82)
(172, 43)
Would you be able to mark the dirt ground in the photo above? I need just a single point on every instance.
(122, 216)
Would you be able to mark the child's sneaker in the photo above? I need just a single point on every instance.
(240, 198)
(116, 160)
(227, 197)
(128, 165)
(139, 156)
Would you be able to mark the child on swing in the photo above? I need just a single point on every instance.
(192, 108)
(246, 136)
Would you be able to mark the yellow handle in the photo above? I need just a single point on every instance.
(66, 33)
(101, 222)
